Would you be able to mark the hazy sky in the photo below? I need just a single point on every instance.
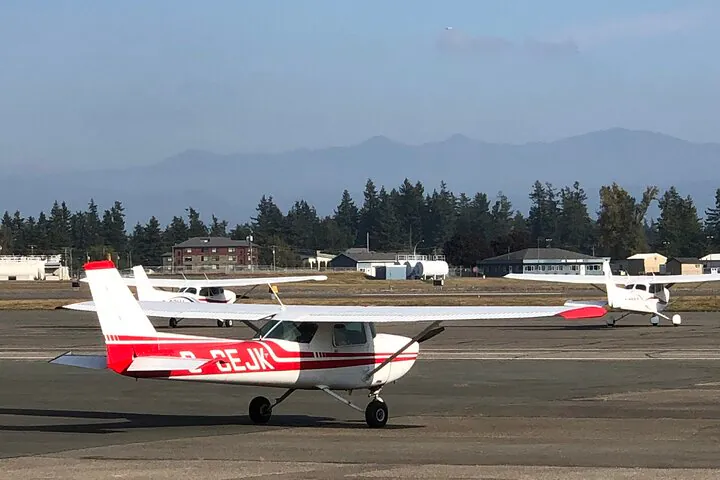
(137, 81)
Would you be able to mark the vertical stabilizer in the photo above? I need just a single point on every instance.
(117, 310)
(613, 292)
(145, 291)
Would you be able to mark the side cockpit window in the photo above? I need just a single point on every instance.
(349, 334)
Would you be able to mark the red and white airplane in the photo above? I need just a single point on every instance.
(326, 348)
(202, 291)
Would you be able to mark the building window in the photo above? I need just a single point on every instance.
(214, 250)
(188, 259)
(231, 258)
(188, 250)
(231, 249)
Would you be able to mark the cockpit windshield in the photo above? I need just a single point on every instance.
(300, 332)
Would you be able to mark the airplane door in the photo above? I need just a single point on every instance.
(355, 340)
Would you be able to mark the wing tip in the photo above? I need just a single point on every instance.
(582, 312)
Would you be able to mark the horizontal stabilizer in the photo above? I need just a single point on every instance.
(165, 364)
(95, 362)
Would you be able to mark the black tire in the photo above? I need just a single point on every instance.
(228, 323)
(376, 414)
(173, 322)
(220, 323)
(259, 410)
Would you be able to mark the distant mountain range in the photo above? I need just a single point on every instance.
(230, 186)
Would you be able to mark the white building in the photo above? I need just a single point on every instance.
(32, 267)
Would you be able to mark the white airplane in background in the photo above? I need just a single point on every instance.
(639, 293)
(206, 290)
(304, 347)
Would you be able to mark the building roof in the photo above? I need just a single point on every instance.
(540, 254)
(687, 260)
(197, 242)
(711, 256)
(363, 255)
(645, 256)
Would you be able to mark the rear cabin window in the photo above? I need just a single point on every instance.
(349, 334)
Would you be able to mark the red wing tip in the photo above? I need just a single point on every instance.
(583, 312)
(99, 265)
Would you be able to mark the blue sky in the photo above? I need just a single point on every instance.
(134, 81)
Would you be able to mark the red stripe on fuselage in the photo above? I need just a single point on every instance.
(234, 356)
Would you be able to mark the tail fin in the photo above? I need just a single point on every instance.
(117, 310)
(145, 291)
(610, 286)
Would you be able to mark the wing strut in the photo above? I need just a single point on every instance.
(422, 336)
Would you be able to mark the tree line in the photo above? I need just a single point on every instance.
(466, 229)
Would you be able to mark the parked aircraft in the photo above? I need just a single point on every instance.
(206, 290)
(305, 347)
(639, 293)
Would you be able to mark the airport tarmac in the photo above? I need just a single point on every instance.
(499, 399)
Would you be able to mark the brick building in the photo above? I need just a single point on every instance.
(213, 253)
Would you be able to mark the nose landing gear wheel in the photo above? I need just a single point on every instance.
(173, 322)
(376, 414)
(260, 410)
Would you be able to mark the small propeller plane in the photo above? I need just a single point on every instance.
(309, 347)
(639, 293)
(207, 291)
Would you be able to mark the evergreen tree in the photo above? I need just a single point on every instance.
(6, 234)
(59, 228)
(575, 228)
(268, 228)
(501, 225)
(621, 221)
(370, 216)
(441, 210)
(544, 212)
(388, 228)
(410, 211)
(241, 231)
(113, 225)
(347, 220)
(712, 223)
(680, 232)
(176, 232)
(302, 224)
(218, 228)
(154, 237)
(196, 227)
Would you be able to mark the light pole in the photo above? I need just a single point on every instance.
(415, 247)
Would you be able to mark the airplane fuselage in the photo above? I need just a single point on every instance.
(271, 362)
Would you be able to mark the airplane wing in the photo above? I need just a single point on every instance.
(334, 313)
(224, 282)
(617, 279)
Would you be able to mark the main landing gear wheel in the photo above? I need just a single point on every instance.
(610, 321)
(655, 321)
(376, 414)
(224, 323)
(173, 322)
(676, 320)
(260, 410)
